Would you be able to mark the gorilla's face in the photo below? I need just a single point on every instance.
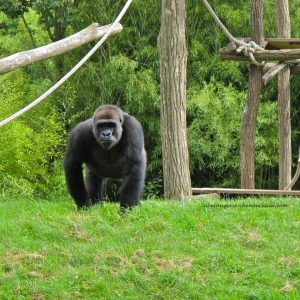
(107, 126)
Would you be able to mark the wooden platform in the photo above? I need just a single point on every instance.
(281, 43)
(197, 191)
(270, 43)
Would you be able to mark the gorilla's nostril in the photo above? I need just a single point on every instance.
(106, 134)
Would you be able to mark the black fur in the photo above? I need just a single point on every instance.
(111, 144)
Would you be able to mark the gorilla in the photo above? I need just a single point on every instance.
(110, 144)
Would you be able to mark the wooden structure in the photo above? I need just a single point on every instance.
(287, 52)
(250, 192)
(275, 49)
(282, 49)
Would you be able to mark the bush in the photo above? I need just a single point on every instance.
(215, 116)
(27, 151)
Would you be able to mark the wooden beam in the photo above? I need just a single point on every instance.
(85, 36)
(229, 53)
(198, 191)
(282, 43)
(295, 67)
(272, 72)
(272, 69)
(276, 43)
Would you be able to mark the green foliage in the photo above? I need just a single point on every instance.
(56, 15)
(26, 150)
(159, 250)
(125, 71)
(123, 83)
(214, 133)
(15, 8)
(214, 136)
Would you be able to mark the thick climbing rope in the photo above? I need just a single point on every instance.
(72, 71)
(248, 49)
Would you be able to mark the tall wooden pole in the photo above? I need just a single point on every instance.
(252, 105)
(284, 102)
(173, 63)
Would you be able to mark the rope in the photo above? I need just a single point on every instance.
(248, 49)
(72, 71)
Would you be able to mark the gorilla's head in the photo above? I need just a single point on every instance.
(107, 125)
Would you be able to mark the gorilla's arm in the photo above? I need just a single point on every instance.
(133, 186)
(73, 161)
(93, 186)
(133, 181)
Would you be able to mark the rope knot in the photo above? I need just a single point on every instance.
(248, 49)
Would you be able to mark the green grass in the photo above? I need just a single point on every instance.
(160, 250)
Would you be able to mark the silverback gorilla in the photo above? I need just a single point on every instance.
(110, 144)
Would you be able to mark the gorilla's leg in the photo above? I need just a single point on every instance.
(93, 186)
(133, 186)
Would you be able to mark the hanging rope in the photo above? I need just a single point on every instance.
(72, 71)
(248, 49)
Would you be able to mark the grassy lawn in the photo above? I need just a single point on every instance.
(161, 250)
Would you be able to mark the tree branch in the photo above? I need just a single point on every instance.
(29, 31)
(85, 36)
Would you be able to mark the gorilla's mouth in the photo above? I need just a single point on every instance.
(106, 143)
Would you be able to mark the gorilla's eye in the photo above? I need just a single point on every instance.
(110, 124)
(107, 125)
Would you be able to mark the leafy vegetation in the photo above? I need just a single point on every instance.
(126, 72)
(28, 151)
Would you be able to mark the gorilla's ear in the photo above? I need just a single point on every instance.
(122, 118)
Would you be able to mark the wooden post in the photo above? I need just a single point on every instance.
(173, 63)
(252, 105)
(284, 102)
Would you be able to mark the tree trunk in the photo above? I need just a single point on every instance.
(252, 105)
(173, 63)
(284, 103)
